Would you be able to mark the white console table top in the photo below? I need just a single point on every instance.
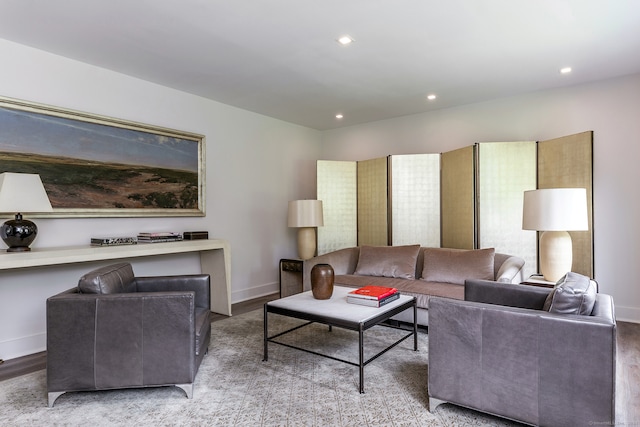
(76, 254)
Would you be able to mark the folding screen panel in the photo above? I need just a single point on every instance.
(337, 188)
(505, 170)
(458, 198)
(567, 162)
(415, 199)
(373, 202)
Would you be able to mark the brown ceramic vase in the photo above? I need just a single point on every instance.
(322, 281)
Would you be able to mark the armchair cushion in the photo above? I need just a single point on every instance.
(456, 265)
(573, 294)
(112, 279)
(388, 261)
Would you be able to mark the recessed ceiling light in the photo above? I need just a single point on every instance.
(339, 116)
(345, 40)
(431, 97)
(565, 70)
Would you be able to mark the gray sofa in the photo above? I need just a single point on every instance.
(539, 356)
(115, 330)
(417, 271)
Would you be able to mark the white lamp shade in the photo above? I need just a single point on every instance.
(555, 209)
(305, 213)
(23, 193)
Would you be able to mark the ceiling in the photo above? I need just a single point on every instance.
(280, 58)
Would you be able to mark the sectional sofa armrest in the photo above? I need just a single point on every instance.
(198, 283)
(506, 294)
(343, 261)
(527, 365)
(511, 270)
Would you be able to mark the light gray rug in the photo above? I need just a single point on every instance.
(234, 387)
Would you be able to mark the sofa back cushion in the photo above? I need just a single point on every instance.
(573, 294)
(112, 279)
(388, 261)
(457, 265)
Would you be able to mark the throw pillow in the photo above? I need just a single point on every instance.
(112, 279)
(388, 261)
(457, 265)
(572, 294)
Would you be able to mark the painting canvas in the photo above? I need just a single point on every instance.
(98, 166)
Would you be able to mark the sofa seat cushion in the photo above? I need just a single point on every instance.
(111, 279)
(388, 261)
(420, 289)
(573, 294)
(457, 265)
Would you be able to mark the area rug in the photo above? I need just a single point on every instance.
(235, 387)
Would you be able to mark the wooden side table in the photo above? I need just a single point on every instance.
(538, 280)
(290, 277)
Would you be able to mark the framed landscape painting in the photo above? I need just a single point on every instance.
(95, 166)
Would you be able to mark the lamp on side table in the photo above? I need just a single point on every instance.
(554, 211)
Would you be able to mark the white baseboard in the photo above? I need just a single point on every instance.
(627, 314)
(255, 292)
(23, 346)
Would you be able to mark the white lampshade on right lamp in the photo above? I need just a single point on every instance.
(555, 211)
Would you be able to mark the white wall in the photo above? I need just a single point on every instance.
(255, 164)
(610, 108)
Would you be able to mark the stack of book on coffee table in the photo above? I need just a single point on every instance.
(373, 296)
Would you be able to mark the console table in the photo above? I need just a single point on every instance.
(215, 260)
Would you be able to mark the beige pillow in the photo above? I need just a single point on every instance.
(457, 265)
(388, 261)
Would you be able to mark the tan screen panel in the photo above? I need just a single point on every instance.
(457, 198)
(567, 162)
(372, 202)
(336, 187)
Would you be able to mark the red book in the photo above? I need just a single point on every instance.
(373, 292)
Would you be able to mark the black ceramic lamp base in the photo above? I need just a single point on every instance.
(18, 234)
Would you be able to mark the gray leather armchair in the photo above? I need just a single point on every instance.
(499, 352)
(115, 330)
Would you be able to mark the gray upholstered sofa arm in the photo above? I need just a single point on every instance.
(491, 292)
(527, 365)
(343, 261)
(510, 269)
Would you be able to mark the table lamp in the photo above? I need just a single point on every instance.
(554, 211)
(306, 215)
(21, 193)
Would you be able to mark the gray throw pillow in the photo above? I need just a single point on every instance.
(446, 265)
(388, 261)
(112, 279)
(572, 294)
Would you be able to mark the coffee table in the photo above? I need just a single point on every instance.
(336, 311)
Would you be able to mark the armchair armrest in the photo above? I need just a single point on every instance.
(505, 294)
(198, 283)
(343, 261)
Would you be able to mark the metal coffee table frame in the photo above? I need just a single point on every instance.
(371, 316)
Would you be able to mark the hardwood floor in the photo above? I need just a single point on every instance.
(627, 368)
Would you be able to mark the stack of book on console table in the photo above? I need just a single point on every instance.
(373, 296)
(163, 236)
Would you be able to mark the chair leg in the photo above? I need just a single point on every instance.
(188, 389)
(433, 403)
(52, 396)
